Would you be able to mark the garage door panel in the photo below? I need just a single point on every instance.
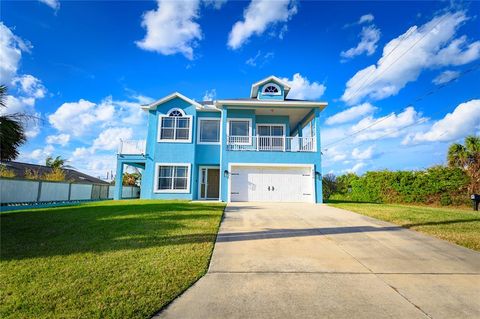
(274, 184)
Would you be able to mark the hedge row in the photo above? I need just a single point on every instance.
(435, 185)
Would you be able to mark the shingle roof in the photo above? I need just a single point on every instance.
(71, 175)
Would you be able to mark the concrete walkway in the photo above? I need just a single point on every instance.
(314, 261)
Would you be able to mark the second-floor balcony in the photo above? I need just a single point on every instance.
(132, 147)
(271, 143)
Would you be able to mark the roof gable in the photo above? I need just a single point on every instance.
(167, 98)
(271, 78)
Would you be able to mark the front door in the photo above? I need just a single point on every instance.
(209, 182)
(270, 137)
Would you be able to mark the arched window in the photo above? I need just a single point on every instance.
(271, 89)
(175, 112)
(175, 127)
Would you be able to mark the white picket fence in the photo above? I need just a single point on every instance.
(26, 191)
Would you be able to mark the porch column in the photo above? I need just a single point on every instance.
(224, 157)
(118, 181)
(318, 164)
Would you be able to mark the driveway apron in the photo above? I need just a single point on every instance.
(296, 260)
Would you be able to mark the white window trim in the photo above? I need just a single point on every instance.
(176, 109)
(199, 119)
(170, 191)
(249, 128)
(269, 93)
(161, 116)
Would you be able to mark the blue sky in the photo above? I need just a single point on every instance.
(86, 67)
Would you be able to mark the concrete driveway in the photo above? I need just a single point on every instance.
(314, 261)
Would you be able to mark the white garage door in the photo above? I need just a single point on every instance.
(271, 184)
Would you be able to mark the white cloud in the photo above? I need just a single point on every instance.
(464, 120)
(334, 155)
(11, 48)
(257, 17)
(369, 37)
(260, 59)
(172, 28)
(362, 155)
(131, 111)
(61, 139)
(388, 126)
(366, 18)
(216, 4)
(301, 88)
(81, 152)
(431, 45)
(54, 4)
(18, 104)
(446, 77)
(39, 155)
(109, 139)
(351, 114)
(76, 118)
(210, 95)
(355, 169)
(30, 85)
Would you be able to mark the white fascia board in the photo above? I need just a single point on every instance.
(167, 98)
(221, 103)
(254, 90)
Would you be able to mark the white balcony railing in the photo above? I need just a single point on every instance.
(131, 147)
(271, 143)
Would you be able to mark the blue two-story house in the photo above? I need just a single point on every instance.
(262, 148)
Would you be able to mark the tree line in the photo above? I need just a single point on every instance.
(450, 184)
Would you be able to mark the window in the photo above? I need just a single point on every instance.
(239, 128)
(271, 89)
(172, 178)
(175, 126)
(208, 130)
(240, 131)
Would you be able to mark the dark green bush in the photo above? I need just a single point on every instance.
(436, 185)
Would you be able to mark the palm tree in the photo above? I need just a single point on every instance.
(57, 162)
(467, 157)
(12, 131)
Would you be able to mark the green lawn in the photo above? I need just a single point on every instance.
(113, 259)
(460, 226)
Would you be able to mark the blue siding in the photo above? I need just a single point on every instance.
(213, 155)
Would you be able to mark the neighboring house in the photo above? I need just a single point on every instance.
(71, 175)
(262, 148)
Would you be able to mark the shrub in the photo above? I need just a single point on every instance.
(435, 185)
(5, 172)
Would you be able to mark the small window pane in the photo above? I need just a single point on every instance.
(182, 134)
(168, 122)
(183, 122)
(165, 171)
(167, 134)
(239, 128)
(180, 183)
(165, 183)
(210, 131)
(181, 171)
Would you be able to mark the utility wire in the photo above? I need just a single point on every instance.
(417, 99)
(405, 52)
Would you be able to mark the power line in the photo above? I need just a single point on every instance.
(417, 99)
(405, 52)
